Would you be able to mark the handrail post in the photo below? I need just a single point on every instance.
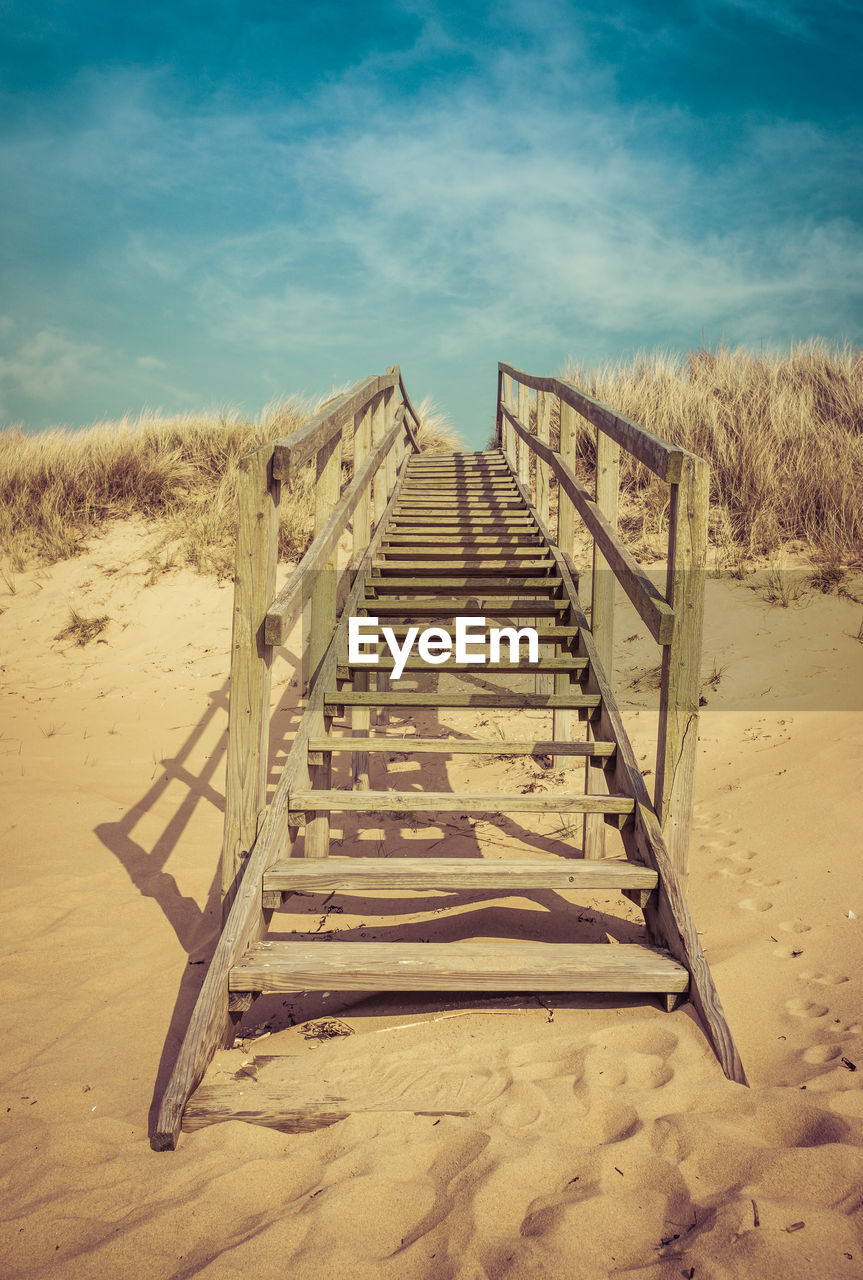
(523, 451)
(258, 494)
(680, 688)
(328, 474)
(379, 499)
(543, 683)
(379, 502)
(509, 440)
(543, 471)
(498, 416)
(390, 406)
(602, 623)
(563, 720)
(360, 716)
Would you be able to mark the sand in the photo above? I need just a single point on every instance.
(563, 1138)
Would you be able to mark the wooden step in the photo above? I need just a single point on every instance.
(428, 555)
(521, 701)
(453, 582)
(484, 543)
(454, 802)
(480, 566)
(281, 967)
(462, 746)
(324, 875)
(503, 667)
(420, 527)
(557, 634)
(459, 510)
(445, 607)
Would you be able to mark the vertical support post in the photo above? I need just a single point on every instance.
(498, 416)
(681, 659)
(251, 665)
(543, 471)
(508, 436)
(523, 450)
(360, 716)
(328, 476)
(378, 505)
(379, 500)
(389, 416)
(564, 720)
(602, 624)
(543, 683)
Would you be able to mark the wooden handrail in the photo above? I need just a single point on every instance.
(675, 621)
(299, 448)
(381, 432)
(663, 459)
(279, 612)
(654, 610)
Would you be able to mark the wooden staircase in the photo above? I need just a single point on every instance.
(458, 536)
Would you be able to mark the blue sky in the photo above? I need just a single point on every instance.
(220, 204)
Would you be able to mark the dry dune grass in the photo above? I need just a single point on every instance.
(783, 435)
(180, 473)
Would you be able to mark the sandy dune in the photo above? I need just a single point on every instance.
(580, 1137)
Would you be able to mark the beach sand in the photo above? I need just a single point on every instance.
(511, 1137)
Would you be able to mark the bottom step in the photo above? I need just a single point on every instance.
(457, 966)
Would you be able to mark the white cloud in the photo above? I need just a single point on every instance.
(46, 364)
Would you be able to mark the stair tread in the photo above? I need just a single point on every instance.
(309, 874)
(412, 698)
(457, 966)
(461, 746)
(457, 802)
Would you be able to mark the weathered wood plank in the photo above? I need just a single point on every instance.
(443, 607)
(292, 453)
(502, 667)
(655, 612)
(512, 874)
(457, 802)
(520, 583)
(461, 746)
(411, 698)
(251, 663)
(457, 966)
(602, 617)
(680, 687)
(324, 543)
(662, 458)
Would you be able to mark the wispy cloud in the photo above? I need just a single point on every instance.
(443, 203)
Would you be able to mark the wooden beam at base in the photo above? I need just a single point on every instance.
(462, 746)
(455, 802)
(514, 875)
(281, 967)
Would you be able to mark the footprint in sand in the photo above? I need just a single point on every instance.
(726, 867)
(821, 1053)
(825, 979)
(764, 884)
(801, 1008)
(794, 926)
(755, 904)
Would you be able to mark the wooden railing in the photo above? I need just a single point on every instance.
(674, 620)
(382, 420)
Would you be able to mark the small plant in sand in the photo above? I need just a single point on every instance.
(82, 630)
